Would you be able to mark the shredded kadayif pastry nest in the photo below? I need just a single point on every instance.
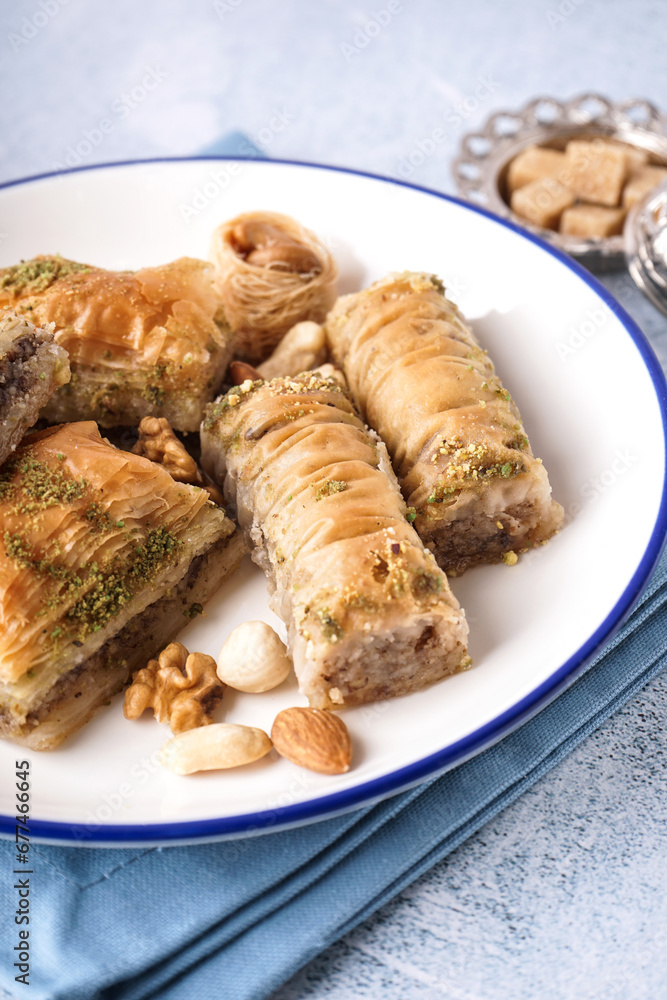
(271, 272)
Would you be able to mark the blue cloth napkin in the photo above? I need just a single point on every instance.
(233, 144)
(236, 919)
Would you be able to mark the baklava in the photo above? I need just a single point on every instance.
(104, 558)
(455, 436)
(152, 342)
(369, 614)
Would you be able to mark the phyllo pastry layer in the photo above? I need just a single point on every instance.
(148, 342)
(103, 559)
(369, 613)
(454, 434)
(32, 367)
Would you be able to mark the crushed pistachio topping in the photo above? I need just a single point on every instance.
(107, 592)
(306, 382)
(37, 486)
(36, 275)
(99, 519)
(194, 610)
(112, 590)
(520, 442)
(510, 558)
(330, 487)
(27, 488)
(425, 583)
(410, 514)
(232, 398)
(355, 601)
(331, 629)
(154, 395)
(21, 552)
(468, 463)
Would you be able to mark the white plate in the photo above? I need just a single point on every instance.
(592, 398)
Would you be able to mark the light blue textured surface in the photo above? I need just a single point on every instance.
(564, 893)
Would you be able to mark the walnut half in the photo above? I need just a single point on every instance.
(182, 689)
(158, 443)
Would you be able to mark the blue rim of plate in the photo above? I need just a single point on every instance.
(328, 806)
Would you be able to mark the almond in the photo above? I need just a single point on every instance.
(313, 738)
(239, 372)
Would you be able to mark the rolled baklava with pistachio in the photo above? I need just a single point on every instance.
(455, 436)
(152, 342)
(32, 367)
(103, 559)
(369, 614)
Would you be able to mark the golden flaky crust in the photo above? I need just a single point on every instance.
(455, 436)
(90, 538)
(369, 613)
(152, 341)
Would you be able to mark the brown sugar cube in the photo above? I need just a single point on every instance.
(634, 156)
(641, 182)
(592, 221)
(533, 164)
(542, 202)
(595, 171)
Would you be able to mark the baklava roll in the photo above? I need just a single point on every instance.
(142, 343)
(369, 614)
(104, 558)
(460, 451)
(32, 367)
(271, 273)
